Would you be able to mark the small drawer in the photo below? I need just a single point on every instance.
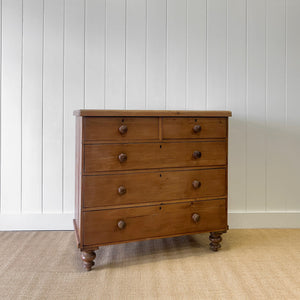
(120, 129)
(128, 224)
(131, 188)
(110, 157)
(194, 128)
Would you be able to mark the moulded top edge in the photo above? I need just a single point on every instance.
(151, 113)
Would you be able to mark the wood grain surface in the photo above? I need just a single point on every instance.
(149, 174)
(101, 226)
(108, 128)
(78, 180)
(193, 128)
(154, 155)
(130, 188)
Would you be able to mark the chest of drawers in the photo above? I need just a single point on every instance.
(149, 174)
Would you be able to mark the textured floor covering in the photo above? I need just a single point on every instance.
(252, 264)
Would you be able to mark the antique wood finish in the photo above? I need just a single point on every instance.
(154, 155)
(78, 180)
(215, 240)
(88, 257)
(194, 128)
(116, 225)
(130, 188)
(149, 174)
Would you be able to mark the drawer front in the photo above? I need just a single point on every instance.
(120, 129)
(154, 155)
(122, 189)
(120, 225)
(194, 128)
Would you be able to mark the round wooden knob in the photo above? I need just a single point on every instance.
(123, 129)
(121, 224)
(121, 190)
(196, 184)
(196, 218)
(122, 157)
(197, 154)
(197, 128)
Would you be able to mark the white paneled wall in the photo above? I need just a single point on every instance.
(62, 55)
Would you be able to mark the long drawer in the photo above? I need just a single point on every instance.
(130, 188)
(132, 156)
(126, 224)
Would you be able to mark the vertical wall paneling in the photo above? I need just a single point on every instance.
(293, 103)
(61, 55)
(256, 105)
(176, 54)
(136, 54)
(196, 54)
(156, 54)
(237, 103)
(0, 95)
(95, 34)
(216, 54)
(32, 105)
(73, 91)
(53, 103)
(115, 53)
(11, 106)
(276, 175)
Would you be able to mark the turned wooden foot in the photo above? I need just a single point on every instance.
(215, 240)
(88, 257)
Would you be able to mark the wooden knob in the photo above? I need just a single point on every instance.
(123, 129)
(196, 184)
(197, 154)
(121, 224)
(196, 218)
(197, 128)
(122, 157)
(121, 190)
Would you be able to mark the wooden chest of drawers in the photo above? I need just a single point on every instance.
(149, 174)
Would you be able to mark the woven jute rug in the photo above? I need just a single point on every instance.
(252, 264)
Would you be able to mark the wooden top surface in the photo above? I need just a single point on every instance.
(151, 113)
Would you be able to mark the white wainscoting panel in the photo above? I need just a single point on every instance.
(115, 55)
(196, 55)
(95, 43)
(292, 104)
(256, 105)
(62, 55)
(32, 106)
(156, 54)
(216, 54)
(11, 106)
(53, 107)
(135, 54)
(236, 96)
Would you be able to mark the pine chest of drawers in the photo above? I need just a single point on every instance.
(149, 174)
